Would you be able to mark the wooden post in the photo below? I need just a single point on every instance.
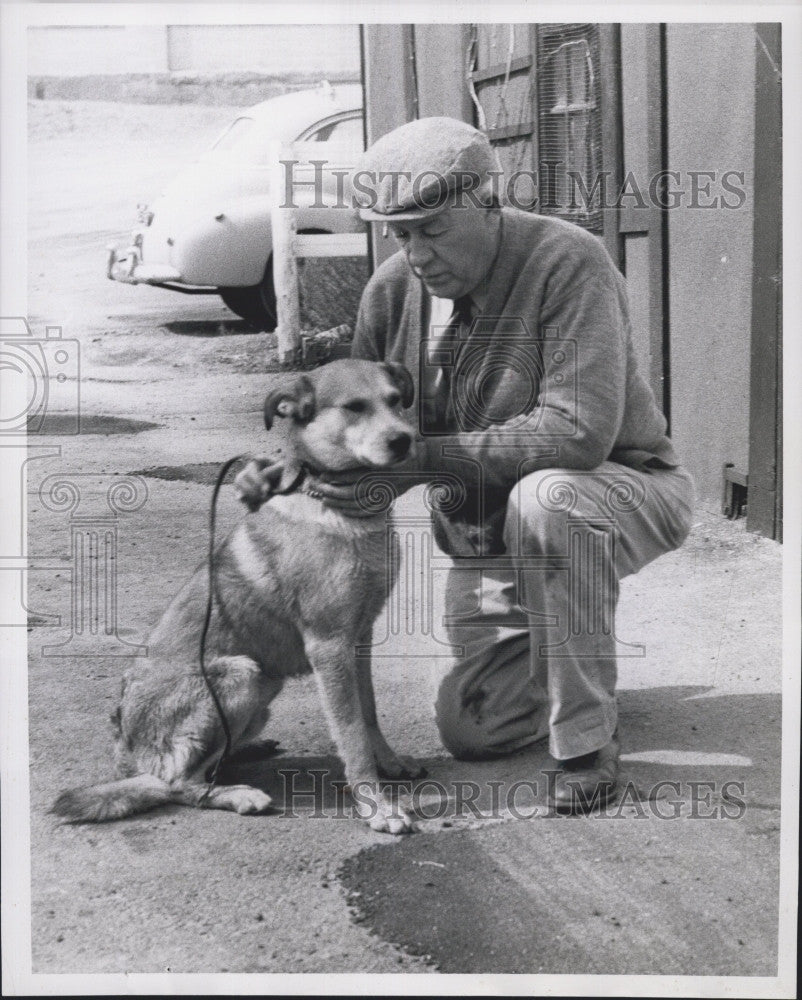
(612, 134)
(285, 271)
(764, 507)
(390, 98)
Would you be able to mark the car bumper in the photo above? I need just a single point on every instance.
(127, 266)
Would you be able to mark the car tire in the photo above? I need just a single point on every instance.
(256, 304)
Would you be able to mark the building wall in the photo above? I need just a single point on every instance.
(79, 50)
(330, 48)
(710, 88)
(112, 49)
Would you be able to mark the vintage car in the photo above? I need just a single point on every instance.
(210, 231)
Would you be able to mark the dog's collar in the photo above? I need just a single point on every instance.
(309, 490)
(303, 477)
(308, 484)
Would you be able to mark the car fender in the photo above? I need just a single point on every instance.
(232, 249)
(228, 248)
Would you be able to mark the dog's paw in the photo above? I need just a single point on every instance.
(395, 767)
(392, 820)
(380, 812)
(389, 764)
(242, 799)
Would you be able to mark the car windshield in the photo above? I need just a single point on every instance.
(236, 134)
(252, 144)
(250, 137)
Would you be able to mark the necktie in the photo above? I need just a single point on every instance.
(438, 413)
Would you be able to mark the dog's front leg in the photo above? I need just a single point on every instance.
(389, 763)
(333, 661)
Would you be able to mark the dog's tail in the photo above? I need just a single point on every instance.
(112, 800)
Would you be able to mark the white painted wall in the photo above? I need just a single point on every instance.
(79, 50)
(269, 47)
(72, 50)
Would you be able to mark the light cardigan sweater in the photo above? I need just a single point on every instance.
(552, 354)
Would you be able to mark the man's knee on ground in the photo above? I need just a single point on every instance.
(462, 730)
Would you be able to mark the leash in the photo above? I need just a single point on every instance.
(221, 475)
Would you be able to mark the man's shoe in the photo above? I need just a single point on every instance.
(587, 782)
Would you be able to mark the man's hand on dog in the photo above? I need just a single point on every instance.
(262, 478)
(259, 480)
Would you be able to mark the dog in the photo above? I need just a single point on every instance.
(297, 587)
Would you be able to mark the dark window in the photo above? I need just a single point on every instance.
(569, 122)
(348, 131)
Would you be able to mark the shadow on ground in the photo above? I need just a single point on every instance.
(68, 424)
(705, 753)
(208, 328)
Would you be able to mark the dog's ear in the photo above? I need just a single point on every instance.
(402, 381)
(294, 399)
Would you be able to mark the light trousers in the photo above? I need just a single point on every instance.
(535, 629)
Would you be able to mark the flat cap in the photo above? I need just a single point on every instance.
(418, 169)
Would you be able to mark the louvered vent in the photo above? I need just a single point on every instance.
(569, 122)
